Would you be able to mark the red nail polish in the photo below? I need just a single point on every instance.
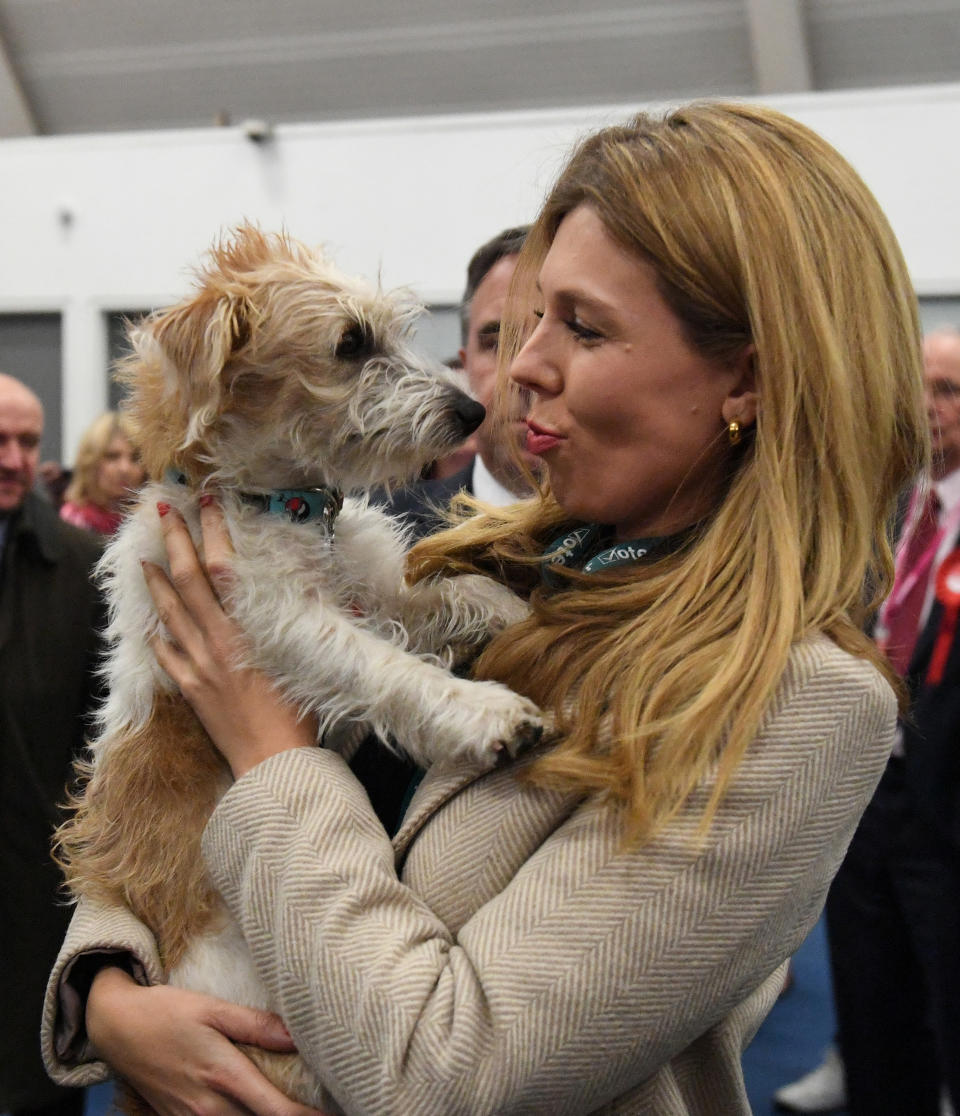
(162, 509)
(206, 499)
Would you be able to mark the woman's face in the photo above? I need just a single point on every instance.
(119, 471)
(629, 419)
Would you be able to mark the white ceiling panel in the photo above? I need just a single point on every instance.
(866, 43)
(109, 65)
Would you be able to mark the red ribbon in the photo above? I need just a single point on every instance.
(948, 594)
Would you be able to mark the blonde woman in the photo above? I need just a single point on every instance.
(107, 470)
(718, 335)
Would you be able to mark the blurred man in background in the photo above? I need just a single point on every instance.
(893, 910)
(50, 616)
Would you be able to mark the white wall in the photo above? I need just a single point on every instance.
(90, 224)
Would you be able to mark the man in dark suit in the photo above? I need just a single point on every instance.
(893, 912)
(491, 475)
(49, 619)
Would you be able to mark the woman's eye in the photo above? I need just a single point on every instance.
(583, 332)
(575, 326)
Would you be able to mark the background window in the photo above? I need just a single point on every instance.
(30, 349)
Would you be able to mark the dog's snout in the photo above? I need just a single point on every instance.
(469, 413)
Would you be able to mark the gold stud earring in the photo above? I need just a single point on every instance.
(733, 433)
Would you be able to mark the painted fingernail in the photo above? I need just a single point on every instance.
(206, 499)
(162, 509)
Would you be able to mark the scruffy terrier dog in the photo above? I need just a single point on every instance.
(280, 385)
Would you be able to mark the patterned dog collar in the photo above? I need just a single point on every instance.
(299, 505)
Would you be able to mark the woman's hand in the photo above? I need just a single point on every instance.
(176, 1048)
(247, 719)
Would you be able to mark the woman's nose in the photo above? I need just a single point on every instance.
(533, 367)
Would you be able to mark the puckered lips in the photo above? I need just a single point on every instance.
(540, 439)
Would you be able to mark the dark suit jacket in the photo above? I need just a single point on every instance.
(389, 778)
(932, 733)
(49, 616)
(420, 506)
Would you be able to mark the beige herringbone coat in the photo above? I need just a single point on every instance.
(523, 961)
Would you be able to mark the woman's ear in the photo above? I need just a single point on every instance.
(743, 402)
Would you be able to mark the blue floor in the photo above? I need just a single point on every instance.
(794, 1035)
(790, 1042)
(98, 1100)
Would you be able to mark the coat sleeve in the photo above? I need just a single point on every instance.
(591, 969)
(98, 935)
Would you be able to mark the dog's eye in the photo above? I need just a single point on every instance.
(353, 341)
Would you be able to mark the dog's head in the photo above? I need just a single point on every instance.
(281, 371)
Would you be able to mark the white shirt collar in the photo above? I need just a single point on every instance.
(948, 489)
(488, 489)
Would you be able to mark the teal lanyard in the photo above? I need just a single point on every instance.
(570, 551)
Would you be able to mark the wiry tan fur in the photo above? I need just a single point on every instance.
(279, 372)
(156, 796)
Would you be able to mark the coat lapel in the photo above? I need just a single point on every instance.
(7, 601)
(439, 785)
(445, 779)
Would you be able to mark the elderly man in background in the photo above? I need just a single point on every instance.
(50, 616)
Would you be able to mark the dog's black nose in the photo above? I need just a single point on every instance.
(469, 413)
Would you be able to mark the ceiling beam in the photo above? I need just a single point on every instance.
(778, 43)
(16, 115)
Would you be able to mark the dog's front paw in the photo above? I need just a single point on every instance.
(493, 722)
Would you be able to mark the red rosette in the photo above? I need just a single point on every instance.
(948, 594)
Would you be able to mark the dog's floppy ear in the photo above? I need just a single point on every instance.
(195, 341)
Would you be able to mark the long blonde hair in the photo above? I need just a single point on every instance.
(760, 233)
(91, 450)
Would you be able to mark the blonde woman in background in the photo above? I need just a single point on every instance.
(106, 472)
(719, 337)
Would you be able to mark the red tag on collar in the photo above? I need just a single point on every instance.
(948, 594)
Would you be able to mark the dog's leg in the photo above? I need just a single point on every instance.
(453, 615)
(290, 1074)
(351, 673)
